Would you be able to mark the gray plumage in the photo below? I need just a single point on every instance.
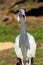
(23, 40)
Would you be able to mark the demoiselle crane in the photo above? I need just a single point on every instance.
(25, 46)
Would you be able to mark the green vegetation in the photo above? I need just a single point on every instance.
(37, 33)
(2, 63)
(39, 57)
(9, 33)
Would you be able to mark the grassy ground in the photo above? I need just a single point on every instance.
(9, 33)
(8, 57)
(39, 57)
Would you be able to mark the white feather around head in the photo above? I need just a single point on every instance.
(18, 18)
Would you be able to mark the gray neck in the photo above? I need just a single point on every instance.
(23, 40)
(23, 28)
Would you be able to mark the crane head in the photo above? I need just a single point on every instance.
(21, 14)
